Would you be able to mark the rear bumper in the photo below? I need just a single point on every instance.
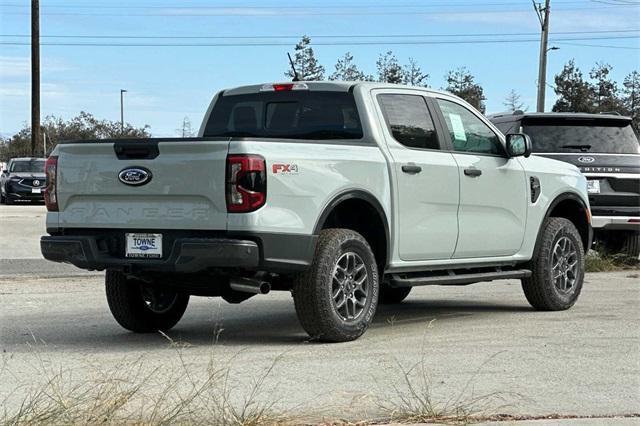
(186, 255)
(184, 251)
(619, 223)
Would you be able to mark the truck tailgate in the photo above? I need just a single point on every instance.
(186, 189)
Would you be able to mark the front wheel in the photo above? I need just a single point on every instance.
(557, 267)
(337, 297)
(142, 308)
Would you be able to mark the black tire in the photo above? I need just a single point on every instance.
(126, 298)
(631, 245)
(393, 296)
(541, 290)
(8, 200)
(626, 243)
(313, 290)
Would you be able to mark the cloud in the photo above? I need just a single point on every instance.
(23, 90)
(19, 67)
(561, 20)
(15, 66)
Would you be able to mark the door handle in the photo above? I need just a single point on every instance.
(472, 172)
(412, 169)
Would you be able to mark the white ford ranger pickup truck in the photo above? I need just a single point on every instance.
(345, 194)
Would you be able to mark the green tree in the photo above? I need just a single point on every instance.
(83, 126)
(305, 62)
(413, 74)
(462, 83)
(347, 70)
(631, 98)
(605, 91)
(389, 69)
(574, 93)
(513, 102)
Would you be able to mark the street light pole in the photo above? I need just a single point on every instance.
(543, 16)
(122, 92)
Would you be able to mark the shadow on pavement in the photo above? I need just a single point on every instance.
(267, 323)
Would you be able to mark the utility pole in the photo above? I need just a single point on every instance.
(543, 17)
(35, 75)
(122, 92)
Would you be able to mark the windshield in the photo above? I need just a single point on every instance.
(594, 136)
(27, 166)
(286, 114)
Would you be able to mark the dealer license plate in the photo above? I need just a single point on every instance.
(144, 245)
(593, 186)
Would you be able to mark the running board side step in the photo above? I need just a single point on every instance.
(452, 277)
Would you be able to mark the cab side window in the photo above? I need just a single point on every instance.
(409, 120)
(468, 132)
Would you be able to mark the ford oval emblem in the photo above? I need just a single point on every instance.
(586, 159)
(135, 176)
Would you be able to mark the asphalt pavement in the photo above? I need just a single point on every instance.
(469, 341)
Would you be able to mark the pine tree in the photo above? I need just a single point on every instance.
(605, 91)
(574, 94)
(513, 102)
(389, 70)
(305, 62)
(185, 129)
(631, 98)
(461, 83)
(347, 70)
(413, 74)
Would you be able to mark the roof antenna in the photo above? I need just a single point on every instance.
(295, 73)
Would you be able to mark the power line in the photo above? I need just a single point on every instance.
(606, 46)
(83, 5)
(346, 43)
(351, 36)
(274, 12)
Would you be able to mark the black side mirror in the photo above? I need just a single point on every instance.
(5, 171)
(518, 145)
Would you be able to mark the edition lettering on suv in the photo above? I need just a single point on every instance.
(606, 149)
(23, 180)
(345, 194)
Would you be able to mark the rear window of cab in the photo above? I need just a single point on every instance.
(316, 115)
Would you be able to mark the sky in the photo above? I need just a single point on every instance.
(497, 40)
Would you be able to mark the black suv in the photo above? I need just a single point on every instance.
(606, 149)
(23, 180)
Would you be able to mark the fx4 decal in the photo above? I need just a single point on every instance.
(284, 169)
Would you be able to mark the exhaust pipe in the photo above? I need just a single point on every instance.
(250, 285)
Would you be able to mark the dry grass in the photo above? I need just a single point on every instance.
(415, 399)
(135, 394)
(606, 262)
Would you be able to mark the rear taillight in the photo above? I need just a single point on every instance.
(246, 185)
(51, 191)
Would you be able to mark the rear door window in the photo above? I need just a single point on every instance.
(409, 120)
(288, 115)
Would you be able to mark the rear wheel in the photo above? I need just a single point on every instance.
(626, 243)
(557, 267)
(142, 308)
(631, 245)
(337, 297)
